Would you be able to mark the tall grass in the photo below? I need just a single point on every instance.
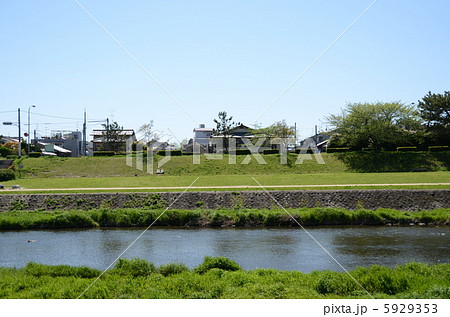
(105, 217)
(222, 278)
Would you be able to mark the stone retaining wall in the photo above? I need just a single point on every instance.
(409, 200)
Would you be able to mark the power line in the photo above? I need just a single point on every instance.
(51, 116)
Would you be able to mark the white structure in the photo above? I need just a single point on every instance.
(202, 135)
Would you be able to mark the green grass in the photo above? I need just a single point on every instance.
(222, 278)
(50, 167)
(104, 217)
(234, 180)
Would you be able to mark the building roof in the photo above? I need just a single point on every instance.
(122, 132)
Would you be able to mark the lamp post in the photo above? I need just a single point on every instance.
(32, 106)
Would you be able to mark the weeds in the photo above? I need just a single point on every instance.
(222, 278)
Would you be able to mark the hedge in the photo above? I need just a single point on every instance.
(34, 154)
(337, 149)
(4, 151)
(438, 148)
(304, 151)
(367, 149)
(169, 153)
(407, 148)
(7, 175)
(270, 151)
(240, 152)
(104, 153)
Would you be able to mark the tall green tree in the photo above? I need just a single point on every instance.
(223, 125)
(435, 111)
(381, 126)
(114, 139)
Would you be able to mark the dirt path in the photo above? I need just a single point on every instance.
(226, 187)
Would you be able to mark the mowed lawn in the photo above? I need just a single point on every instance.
(236, 180)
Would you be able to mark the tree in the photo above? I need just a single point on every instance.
(381, 126)
(278, 130)
(114, 137)
(149, 136)
(435, 111)
(223, 126)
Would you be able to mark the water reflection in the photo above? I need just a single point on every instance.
(284, 249)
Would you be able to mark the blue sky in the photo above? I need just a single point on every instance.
(237, 56)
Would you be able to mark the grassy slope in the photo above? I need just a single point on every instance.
(222, 278)
(91, 172)
(104, 217)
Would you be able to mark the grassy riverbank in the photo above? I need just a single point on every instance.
(222, 278)
(105, 217)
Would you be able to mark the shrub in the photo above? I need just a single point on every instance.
(407, 148)
(241, 152)
(337, 149)
(34, 154)
(336, 283)
(438, 148)
(134, 267)
(367, 149)
(304, 151)
(219, 262)
(104, 153)
(271, 151)
(4, 151)
(7, 175)
(38, 270)
(172, 268)
(169, 153)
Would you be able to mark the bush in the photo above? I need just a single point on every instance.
(134, 267)
(336, 283)
(367, 149)
(219, 262)
(438, 148)
(4, 151)
(172, 268)
(104, 153)
(169, 153)
(407, 148)
(38, 270)
(305, 151)
(337, 149)
(7, 175)
(241, 152)
(271, 151)
(35, 154)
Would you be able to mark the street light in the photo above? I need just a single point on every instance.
(32, 106)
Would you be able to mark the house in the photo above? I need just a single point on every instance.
(65, 143)
(49, 149)
(321, 141)
(101, 143)
(218, 143)
(162, 146)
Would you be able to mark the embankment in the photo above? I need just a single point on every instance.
(398, 199)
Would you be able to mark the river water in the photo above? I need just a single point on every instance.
(283, 249)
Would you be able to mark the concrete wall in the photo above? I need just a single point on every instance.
(410, 200)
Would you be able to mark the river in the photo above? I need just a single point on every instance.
(283, 249)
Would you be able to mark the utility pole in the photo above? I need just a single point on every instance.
(315, 136)
(34, 141)
(295, 135)
(29, 108)
(83, 147)
(107, 133)
(20, 141)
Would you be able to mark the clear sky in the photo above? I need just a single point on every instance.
(233, 55)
